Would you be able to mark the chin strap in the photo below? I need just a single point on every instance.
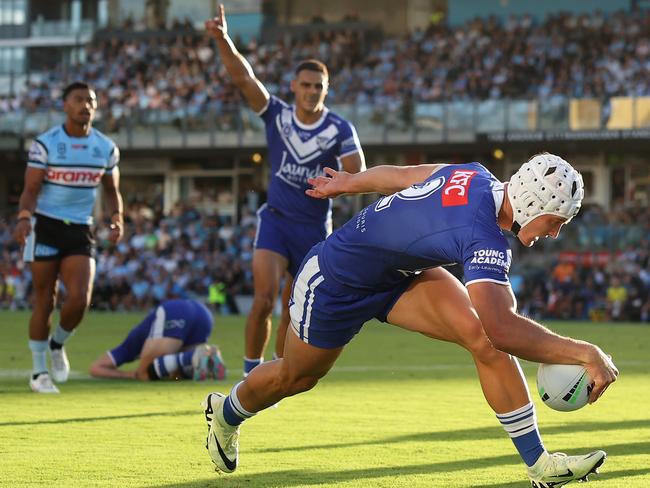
(515, 228)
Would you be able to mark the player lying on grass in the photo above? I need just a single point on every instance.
(385, 263)
(170, 342)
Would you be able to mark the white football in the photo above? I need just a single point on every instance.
(563, 387)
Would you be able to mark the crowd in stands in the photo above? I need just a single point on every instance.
(186, 254)
(576, 55)
(607, 279)
(189, 253)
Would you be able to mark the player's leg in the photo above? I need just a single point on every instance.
(207, 361)
(77, 273)
(268, 269)
(44, 279)
(161, 358)
(437, 305)
(303, 364)
(299, 370)
(284, 318)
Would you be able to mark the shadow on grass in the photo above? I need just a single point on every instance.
(603, 477)
(101, 419)
(469, 434)
(304, 475)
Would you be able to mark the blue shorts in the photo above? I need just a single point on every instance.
(293, 240)
(325, 314)
(187, 320)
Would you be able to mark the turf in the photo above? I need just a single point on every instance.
(398, 410)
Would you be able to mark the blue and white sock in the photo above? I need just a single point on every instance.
(250, 364)
(39, 360)
(59, 337)
(165, 365)
(233, 412)
(521, 426)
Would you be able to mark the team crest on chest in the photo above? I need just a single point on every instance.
(322, 141)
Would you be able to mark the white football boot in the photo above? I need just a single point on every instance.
(201, 362)
(223, 439)
(42, 384)
(558, 469)
(60, 366)
(208, 363)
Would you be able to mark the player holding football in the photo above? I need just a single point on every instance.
(170, 343)
(65, 166)
(302, 140)
(386, 263)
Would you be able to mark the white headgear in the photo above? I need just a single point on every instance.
(546, 184)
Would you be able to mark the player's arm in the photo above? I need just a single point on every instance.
(527, 339)
(238, 68)
(103, 367)
(354, 163)
(114, 204)
(384, 179)
(33, 182)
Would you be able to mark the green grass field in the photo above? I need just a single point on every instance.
(399, 410)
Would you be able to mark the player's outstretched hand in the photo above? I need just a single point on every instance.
(329, 186)
(603, 373)
(217, 26)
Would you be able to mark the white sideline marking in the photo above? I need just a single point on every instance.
(25, 373)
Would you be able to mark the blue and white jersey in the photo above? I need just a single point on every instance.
(297, 152)
(73, 167)
(451, 217)
(187, 320)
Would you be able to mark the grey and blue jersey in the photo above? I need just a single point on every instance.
(74, 167)
(298, 151)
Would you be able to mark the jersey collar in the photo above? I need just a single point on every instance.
(309, 126)
(65, 131)
(498, 194)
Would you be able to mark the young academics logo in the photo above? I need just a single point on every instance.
(486, 258)
(455, 191)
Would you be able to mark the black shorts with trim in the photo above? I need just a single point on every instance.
(53, 239)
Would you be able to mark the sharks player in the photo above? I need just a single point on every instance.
(65, 166)
(386, 263)
(303, 139)
(170, 343)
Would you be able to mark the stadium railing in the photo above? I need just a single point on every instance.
(390, 122)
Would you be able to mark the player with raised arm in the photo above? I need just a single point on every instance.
(65, 166)
(303, 139)
(386, 263)
(170, 343)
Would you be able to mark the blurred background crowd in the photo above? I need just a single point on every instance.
(178, 74)
(599, 269)
(190, 254)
